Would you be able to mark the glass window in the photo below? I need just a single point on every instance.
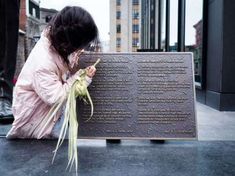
(135, 2)
(135, 42)
(118, 42)
(193, 35)
(118, 28)
(48, 18)
(118, 14)
(135, 28)
(173, 25)
(163, 24)
(118, 2)
(135, 14)
(34, 10)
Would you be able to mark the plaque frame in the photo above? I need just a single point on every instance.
(189, 54)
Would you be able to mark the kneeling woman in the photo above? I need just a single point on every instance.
(50, 71)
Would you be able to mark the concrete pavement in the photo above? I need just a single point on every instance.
(212, 155)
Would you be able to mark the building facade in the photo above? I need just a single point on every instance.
(45, 17)
(29, 22)
(124, 25)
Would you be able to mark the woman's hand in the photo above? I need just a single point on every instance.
(73, 61)
(91, 71)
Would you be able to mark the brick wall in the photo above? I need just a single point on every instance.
(23, 17)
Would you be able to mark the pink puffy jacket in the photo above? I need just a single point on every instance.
(40, 84)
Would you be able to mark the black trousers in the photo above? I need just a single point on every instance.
(9, 26)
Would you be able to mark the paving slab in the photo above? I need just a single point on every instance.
(130, 158)
(214, 124)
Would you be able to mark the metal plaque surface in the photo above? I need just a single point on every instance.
(140, 95)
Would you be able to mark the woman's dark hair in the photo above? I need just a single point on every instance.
(70, 29)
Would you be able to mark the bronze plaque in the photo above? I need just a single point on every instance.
(140, 95)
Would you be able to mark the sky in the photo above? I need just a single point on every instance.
(99, 9)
